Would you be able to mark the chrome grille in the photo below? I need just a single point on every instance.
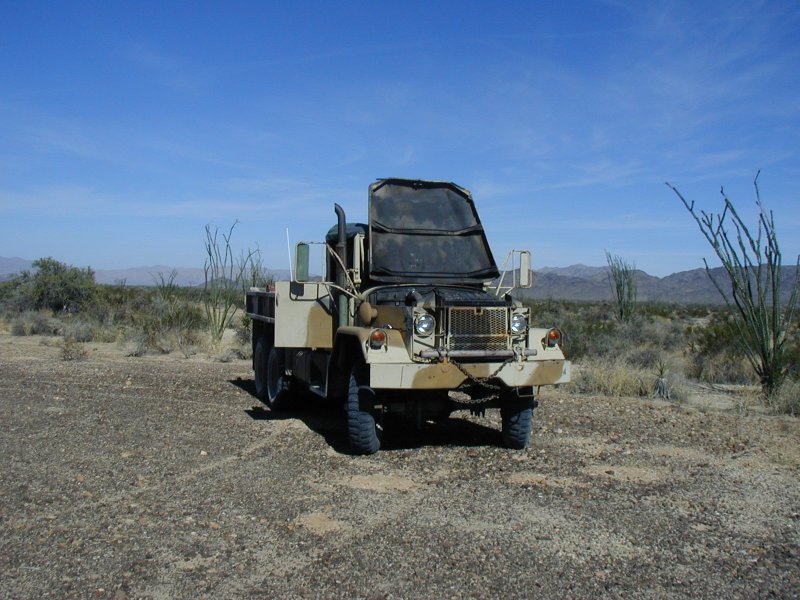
(477, 328)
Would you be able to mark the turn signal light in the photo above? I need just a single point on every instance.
(377, 339)
(553, 338)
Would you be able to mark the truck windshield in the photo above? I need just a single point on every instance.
(426, 231)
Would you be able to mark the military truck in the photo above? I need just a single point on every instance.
(411, 317)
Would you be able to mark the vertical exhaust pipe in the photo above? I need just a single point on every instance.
(341, 275)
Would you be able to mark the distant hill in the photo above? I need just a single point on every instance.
(576, 282)
(579, 282)
(185, 276)
(11, 266)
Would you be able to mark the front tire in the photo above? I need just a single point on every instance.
(517, 416)
(359, 407)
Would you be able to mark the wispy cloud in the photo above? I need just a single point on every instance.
(622, 222)
(167, 69)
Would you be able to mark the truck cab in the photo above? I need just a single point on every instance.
(412, 316)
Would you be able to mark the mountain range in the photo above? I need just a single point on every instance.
(576, 282)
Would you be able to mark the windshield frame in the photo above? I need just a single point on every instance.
(427, 232)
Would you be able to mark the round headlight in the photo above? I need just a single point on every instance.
(518, 324)
(424, 325)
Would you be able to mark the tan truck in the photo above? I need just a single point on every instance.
(411, 316)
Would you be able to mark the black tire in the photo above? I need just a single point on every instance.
(278, 390)
(517, 416)
(260, 355)
(359, 407)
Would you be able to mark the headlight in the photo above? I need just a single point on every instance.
(518, 324)
(424, 325)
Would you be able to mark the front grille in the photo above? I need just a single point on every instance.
(477, 328)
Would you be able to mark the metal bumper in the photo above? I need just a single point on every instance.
(474, 354)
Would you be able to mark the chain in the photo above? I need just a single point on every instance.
(483, 382)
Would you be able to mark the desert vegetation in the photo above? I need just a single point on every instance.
(680, 346)
(622, 279)
(619, 348)
(57, 299)
(751, 289)
(64, 301)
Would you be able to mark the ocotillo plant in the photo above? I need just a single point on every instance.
(753, 266)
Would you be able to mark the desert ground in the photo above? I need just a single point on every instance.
(164, 477)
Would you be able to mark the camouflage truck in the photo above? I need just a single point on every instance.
(410, 317)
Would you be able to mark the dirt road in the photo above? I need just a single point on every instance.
(162, 477)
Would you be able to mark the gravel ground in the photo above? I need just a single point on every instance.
(162, 477)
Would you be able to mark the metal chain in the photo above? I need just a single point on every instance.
(483, 382)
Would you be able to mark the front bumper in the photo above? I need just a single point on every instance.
(446, 375)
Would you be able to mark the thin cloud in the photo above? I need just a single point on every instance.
(168, 70)
(622, 222)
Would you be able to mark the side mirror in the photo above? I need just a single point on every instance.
(525, 279)
(301, 262)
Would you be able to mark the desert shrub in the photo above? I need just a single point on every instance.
(225, 280)
(229, 355)
(721, 368)
(645, 357)
(241, 341)
(52, 286)
(167, 324)
(587, 327)
(674, 312)
(164, 319)
(678, 386)
(669, 334)
(592, 330)
(73, 350)
(752, 262)
(716, 354)
(793, 351)
(786, 399)
(612, 378)
(33, 322)
(80, 330)
(622, 279)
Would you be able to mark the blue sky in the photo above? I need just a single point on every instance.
(126, 127)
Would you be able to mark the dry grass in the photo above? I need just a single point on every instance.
(612, 378)
(73, 350)
(786, 400)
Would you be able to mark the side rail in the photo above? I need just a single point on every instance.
(260, 305)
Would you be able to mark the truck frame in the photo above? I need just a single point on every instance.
(411, 317)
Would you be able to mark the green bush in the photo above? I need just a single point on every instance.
(52, 286)
(165, 319)
(716, 353)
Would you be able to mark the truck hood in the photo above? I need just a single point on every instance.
(426, 231)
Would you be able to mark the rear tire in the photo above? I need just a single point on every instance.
(517, 416)
(260, 355)
(278, 385)
(359, 407)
